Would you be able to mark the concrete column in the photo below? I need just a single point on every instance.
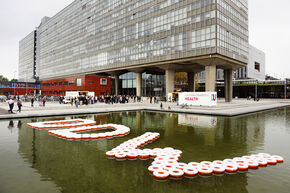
(191, 81)
(228, 79)
(169, 81)
(210, 78)
(139, 84)
(116, 84)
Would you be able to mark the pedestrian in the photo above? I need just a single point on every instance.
(32, 101)
(77, 102)
(161, 105)
(43, 101)
(71, 101)
(19, 105)
(11, 105)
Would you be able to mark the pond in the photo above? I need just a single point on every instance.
(33, 161)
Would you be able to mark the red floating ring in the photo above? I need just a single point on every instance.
(218, 169)
(278, 158)
(190, 171)
(231, 168)
(242, 166)
(161, 174)
(176, 173)
(252, 164)
(262, 162)
(132, 155)
(154, 168)
(120, 155)
(110, 153)
(271, 161)
(205, 171)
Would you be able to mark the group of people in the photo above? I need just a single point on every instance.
(83, 100)
(43, 99)
(18, 101)
(11, 105)
(107, 99)
(154, 99)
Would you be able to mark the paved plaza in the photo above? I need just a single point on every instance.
(236, 107)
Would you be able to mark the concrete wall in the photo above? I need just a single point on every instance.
(256, 55)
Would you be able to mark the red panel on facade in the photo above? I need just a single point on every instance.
(58, 87)
(19, 88)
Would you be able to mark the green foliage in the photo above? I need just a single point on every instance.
(14, 80)
(3, 79)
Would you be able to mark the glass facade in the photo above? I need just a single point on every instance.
(127, 83)
(95, 35)
(26, 68)
(152, 84)
(232, 29)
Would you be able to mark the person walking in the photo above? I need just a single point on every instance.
(43, 101)
(77, 102)
(19, 105)
(11, 105)
(32, 101)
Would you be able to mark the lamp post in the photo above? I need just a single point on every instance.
(256, 90)
(285, 89)
(14, 81)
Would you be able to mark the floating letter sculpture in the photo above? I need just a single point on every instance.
(165, 162)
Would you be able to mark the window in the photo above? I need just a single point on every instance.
(79, 82)
(257, 66)
(103, 81)
(71, 82)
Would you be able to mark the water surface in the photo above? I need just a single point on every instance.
(33, 161)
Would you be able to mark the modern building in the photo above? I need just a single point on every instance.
(114, 37)
(57, 87)
(256, 68)
(27, 65)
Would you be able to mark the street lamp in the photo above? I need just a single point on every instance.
(14, 81)
(256, 90)
(285, 89)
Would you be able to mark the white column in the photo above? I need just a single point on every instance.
(210, 78)
(139, 84)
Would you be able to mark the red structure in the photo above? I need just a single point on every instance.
(19, 88)
(58, 87)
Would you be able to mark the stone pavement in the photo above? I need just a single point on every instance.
(237, 107)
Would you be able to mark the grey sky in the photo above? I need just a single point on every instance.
(269, 30)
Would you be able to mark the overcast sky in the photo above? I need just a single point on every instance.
(269, 23)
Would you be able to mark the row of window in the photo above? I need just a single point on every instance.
(58, 83)
(78, 82)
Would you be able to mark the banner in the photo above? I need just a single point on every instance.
(197, 98)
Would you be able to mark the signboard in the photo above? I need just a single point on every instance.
(157, 89)
(197, 98)
(71, 94)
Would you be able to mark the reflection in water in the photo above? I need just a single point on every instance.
(81, 166)
(11, 125)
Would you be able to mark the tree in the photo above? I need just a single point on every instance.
(14, 80)
(181, 77)
(3, 79)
